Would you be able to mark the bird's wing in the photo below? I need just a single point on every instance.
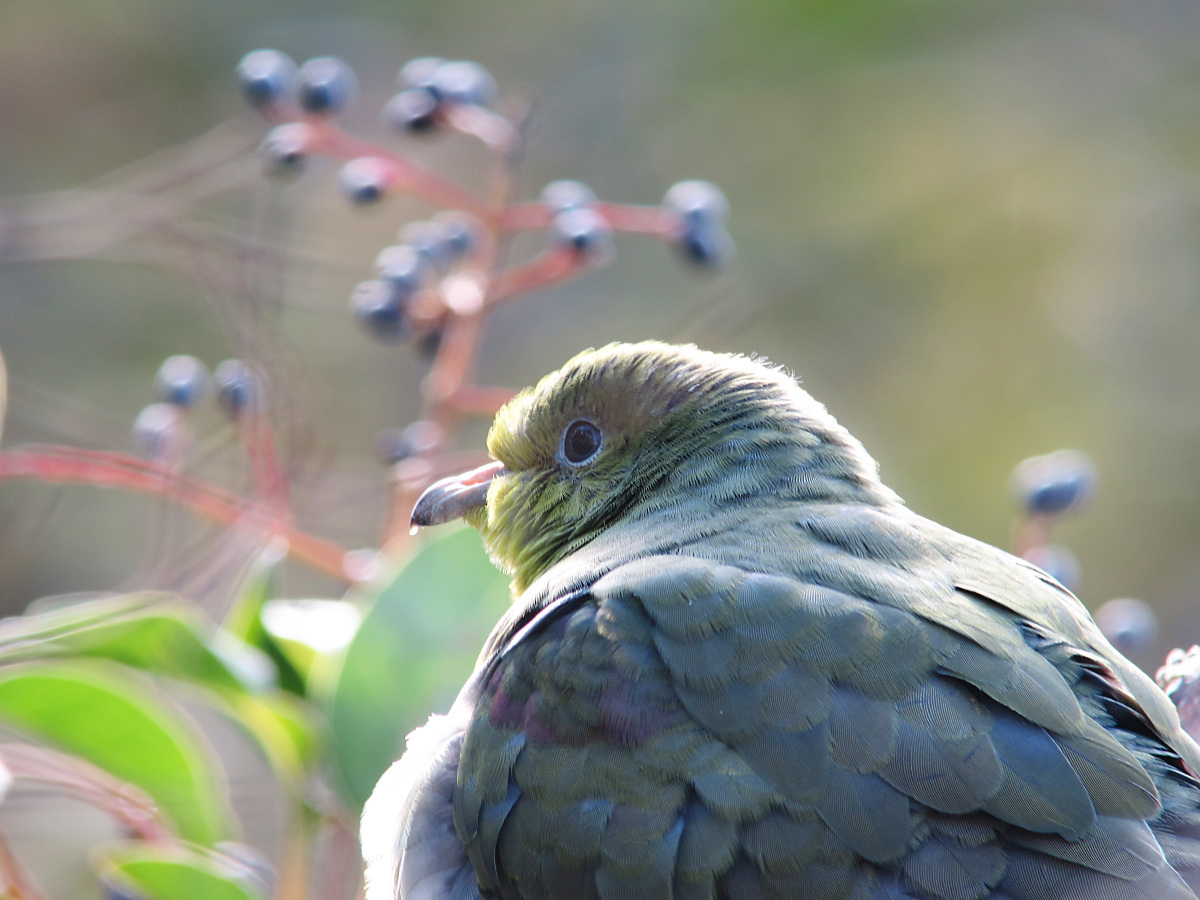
(683, 725)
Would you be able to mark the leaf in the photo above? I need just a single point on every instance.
(156, 632)
(172, 874)
(96, 711)
(244, 620)
(416, 646)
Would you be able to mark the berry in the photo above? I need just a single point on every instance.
(706, 245)
(1130, 625)
(395, 444)
(584, 232)
(463, 82)
(418, 73)
(433, 242)
(364, 180)
(414, 110)
(379, 308)
(699, 201)
(1058, 562)
(239, 389)
(157, 430)
(324, 86)
(285, 149)
(181, 380)
(462, 230)
(264, 77)
(567, 194)
(1053, 484)
(403, 268)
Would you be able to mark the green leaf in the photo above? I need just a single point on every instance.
(172, 874)
(245, 618)
(97, 711)
(416, 646)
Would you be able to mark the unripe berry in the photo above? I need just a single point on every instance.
(584, 232)
(324, 86)
(1055, 483)
(379, 309)
(364, 181)
(264, 77)
(567, 194)
(239, 389)
(157, 430)
(181, 380)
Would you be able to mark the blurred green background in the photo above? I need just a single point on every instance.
(972, 229)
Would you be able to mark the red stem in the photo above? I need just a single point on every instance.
(120, 470)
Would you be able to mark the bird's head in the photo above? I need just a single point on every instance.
(631, 431)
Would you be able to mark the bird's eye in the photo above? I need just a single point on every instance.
(581, 441)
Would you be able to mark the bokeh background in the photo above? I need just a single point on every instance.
(972, 229)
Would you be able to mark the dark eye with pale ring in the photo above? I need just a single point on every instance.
(581, 441)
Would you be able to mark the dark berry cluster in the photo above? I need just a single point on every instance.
(442, 275)
(159, 431)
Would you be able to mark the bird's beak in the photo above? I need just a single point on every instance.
(453, 497)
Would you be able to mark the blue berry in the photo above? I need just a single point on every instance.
(706, 245)
(585, 232)
(264, 77)
(432, 241)
(1053, 484)
(395, 444)
(403, 268)
(414, 110)
(418, 73)
(285, 149)
(181, 380)
(463, 82)
(239, 389)
(699, 201)
(462, 230)
(379, 309)
(363, 181)
(1058, 562)
(156, 430)
(324, 86)
(567, 194)
(1130, 625)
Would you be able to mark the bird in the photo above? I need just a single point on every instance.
(737, 666)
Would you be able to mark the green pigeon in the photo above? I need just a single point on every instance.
(737, 666)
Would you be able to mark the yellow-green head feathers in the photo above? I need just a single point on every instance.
(631, 430)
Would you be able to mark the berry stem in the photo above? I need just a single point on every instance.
(406, 175)
(104, 469)
(554, 265)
